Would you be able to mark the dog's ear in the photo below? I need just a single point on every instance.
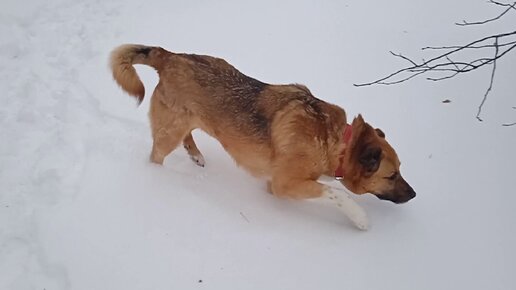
(380, 132)
(358, 120)
(370, 158)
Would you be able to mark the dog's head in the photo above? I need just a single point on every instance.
(371, 165)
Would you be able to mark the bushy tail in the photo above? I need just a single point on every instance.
(121, 62)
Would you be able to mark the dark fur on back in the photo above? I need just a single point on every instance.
(242, 97)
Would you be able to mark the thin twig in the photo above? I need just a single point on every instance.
(510, 6)
(443, 78)
(490, 83)
(471, 47)
(502, 4)
(452, 62)
(402, 80)
(403, 57)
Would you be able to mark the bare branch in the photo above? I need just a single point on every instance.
(428, 65)
(452, 62)
(457, 71)
(467, 67)
(471, 47)
(510, 6)
(402, 80)
(403, 57)
(490, 83)
(501, 4)
(443, 78)
(448, 62)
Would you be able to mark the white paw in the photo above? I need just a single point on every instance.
(198, 159)
(351, 209)
(359, 218)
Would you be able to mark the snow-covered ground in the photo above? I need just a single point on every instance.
(82, 208)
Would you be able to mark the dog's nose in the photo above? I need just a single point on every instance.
(412, 194)
(409, 192)
(406, 196)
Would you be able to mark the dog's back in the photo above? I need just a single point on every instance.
(251, 119)
(213, 89)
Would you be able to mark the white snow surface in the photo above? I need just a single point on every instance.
(82, 208)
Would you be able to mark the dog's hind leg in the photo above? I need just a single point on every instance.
(165, 141)
(169, 127)
(193, 151)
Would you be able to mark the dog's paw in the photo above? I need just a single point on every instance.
(362, 225)
(198, 160)
(359, 218)
(156, 159)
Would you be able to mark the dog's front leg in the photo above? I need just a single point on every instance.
(310, 189)
(342, 199)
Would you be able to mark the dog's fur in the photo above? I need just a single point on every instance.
(280, 132)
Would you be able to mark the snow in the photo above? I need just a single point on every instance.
(82, 208)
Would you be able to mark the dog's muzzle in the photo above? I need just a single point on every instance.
(402, 193)
(398, 198)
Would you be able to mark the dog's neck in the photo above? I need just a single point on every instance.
(346, 137)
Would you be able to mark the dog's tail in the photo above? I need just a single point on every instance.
(121, 63)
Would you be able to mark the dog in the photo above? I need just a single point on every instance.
(278, 132)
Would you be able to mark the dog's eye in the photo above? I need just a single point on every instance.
(393, 176)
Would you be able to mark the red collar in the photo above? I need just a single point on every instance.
(346, 137)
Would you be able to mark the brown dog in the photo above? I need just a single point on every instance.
(280, 132)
